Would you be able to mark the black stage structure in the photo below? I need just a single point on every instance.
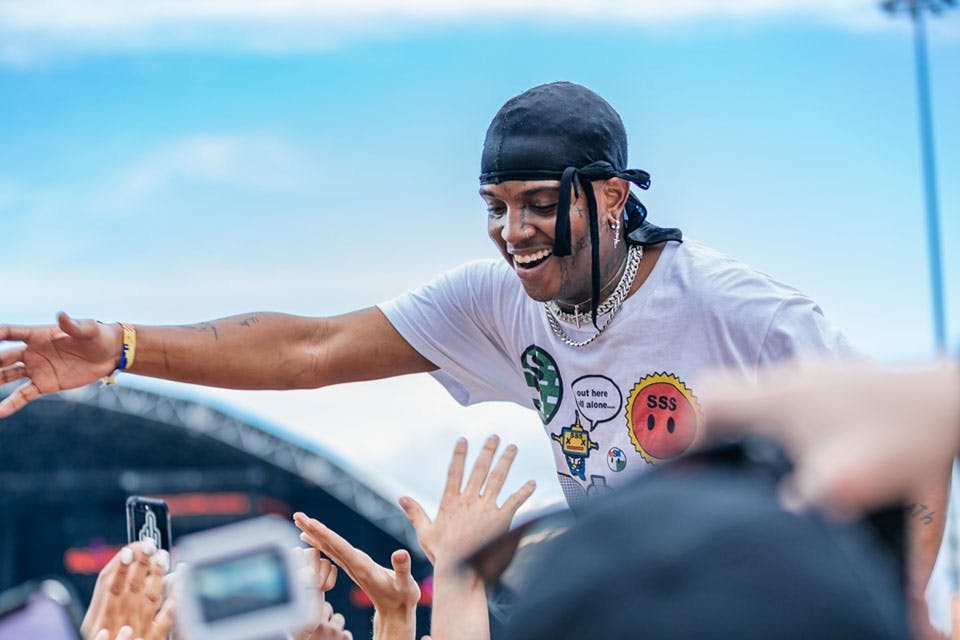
(69, 461)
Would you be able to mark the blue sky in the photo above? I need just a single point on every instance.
(173, 162)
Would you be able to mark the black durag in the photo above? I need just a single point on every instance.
(563, 131)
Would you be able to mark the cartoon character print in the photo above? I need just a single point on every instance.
(663, 417)
(541, 373)
(576, 445)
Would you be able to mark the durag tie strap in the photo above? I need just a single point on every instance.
(638, 231)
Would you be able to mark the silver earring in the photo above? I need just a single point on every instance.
(615, 227)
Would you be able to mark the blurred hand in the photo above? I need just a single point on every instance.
(860, 435)
(469, 517)
(394, 593)
(129, 593)
(54, 358)
(329, 625)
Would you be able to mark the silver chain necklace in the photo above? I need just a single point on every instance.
(610, 306)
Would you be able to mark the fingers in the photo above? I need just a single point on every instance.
(326, 612)
(77, 328)
(482, 466)
(329, 580)
(163, 623)
(521, 495)
(337, 621)
(10, 333)
(322, 537)
(11, 356)
(415, 514)
(499, 474)
(318, 535)
(455, 470)
(153, 587)
(119, 577)
(323, 572)
(400, 559)
(137, 578)
(22, 395)
(13, 372)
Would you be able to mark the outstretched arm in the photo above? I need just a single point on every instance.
(251, 351)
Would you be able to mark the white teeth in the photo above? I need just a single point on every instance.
(533, 257)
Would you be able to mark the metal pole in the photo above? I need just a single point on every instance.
(929, 181)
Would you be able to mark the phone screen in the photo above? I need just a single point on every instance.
(241, 585)
(39, 616)
(148, 519)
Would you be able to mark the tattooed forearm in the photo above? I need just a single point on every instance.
(249, 321)
(920, 512)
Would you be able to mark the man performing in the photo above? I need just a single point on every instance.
(595, 318)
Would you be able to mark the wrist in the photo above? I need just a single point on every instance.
(456, 574)
(394, 624)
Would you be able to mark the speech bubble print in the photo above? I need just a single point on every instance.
(598, 399)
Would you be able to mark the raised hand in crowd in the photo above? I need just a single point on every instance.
(330, 624)
(860, 435)
(394, 592)
(128, 599)
(468, 517)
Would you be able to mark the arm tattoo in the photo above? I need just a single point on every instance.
(920, 512)
(207, 327)
(249, 321)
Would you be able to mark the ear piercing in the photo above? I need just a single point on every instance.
(615, 227)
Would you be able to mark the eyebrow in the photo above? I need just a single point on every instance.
(488, 191)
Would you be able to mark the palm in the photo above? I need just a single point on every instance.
(53, 358)
(56, 361)
(470, 516)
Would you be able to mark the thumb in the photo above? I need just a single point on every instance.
(415, 513)
(77, 328)
(401, 562)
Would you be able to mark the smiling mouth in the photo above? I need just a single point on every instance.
(531, 260)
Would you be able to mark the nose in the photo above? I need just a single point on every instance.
(513, 231)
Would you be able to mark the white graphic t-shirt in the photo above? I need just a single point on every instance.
(627, 400)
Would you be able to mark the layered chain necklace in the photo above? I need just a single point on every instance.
(608, 308)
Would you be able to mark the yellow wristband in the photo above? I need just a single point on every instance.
(128, 352)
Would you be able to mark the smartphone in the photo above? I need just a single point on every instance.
(44, 610)
(148, 519)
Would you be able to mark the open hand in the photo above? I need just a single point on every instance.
(470, 516)
(71, 354)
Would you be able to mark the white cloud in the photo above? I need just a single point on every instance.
(32, 31)
(254, 161)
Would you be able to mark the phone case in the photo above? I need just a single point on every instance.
(148, 519)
